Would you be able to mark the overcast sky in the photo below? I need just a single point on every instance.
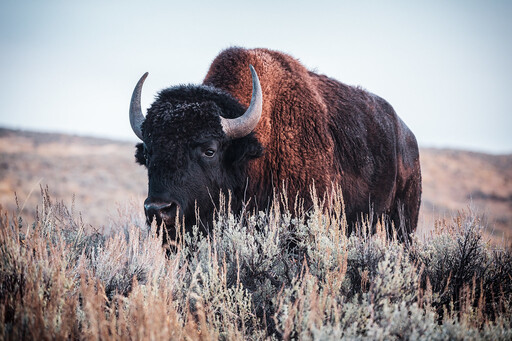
(445, 66)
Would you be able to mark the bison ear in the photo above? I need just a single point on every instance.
(139, 154)
(243, 150)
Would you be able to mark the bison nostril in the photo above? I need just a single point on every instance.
(169, 209)
(161, 210)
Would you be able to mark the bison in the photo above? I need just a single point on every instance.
(248, 132)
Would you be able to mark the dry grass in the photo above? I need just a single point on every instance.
(100, 274)
(452, 180)
(261, 275)
(94, 174)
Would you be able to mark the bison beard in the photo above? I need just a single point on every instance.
(313, 130)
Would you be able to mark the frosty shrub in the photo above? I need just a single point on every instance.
(286, 273)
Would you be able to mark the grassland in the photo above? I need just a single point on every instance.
(258, 276)
(102, 274)
(100, 175)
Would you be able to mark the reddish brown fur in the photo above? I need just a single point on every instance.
(316, 129)
(284, 131)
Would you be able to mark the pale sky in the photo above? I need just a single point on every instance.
(445, 66)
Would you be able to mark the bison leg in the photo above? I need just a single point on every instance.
(405, 212)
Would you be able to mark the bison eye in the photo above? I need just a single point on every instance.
(209, 152)
(207, 149)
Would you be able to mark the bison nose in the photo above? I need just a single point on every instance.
(162, 211)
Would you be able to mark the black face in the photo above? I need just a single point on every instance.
(173, 191)
(189, 158)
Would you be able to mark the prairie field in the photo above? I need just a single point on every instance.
(99, 176)
(78, 262)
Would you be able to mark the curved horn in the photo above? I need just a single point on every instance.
(243, 125)
(136, 116)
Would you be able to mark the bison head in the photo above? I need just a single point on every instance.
(197, 142)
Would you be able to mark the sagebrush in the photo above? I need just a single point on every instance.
(286, 273)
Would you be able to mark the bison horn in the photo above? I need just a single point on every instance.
(136, 116)
(243, 125)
